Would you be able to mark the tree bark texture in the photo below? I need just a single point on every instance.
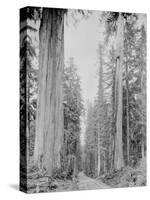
(118, 160)
(49, 117)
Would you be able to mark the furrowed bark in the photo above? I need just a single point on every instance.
(49, 119)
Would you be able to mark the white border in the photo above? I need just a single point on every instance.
(9, 90)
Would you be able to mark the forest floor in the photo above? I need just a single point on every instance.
(87, 183)
(126, 177)
(83, 182)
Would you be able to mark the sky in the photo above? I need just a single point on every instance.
(81, 42)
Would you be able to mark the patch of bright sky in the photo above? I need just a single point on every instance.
(81, 42)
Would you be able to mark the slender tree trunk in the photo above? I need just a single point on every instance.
(142, 115)
(28, 119)
(142, 149)
(118, 159)
(98, 155)
(49, 119)
(105, 161)
(113, 121)
(95, 155)
(100, 111)
(127, 115)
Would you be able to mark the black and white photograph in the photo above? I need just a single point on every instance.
(82, 99)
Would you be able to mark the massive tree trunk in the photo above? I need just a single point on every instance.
(118, 159)
(49, 118)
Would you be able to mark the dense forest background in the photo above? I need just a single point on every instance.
(52, 107)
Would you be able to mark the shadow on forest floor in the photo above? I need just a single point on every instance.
(14, 186)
